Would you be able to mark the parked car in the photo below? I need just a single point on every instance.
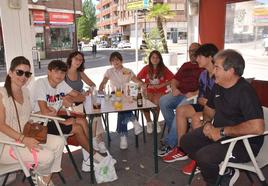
(143, 45)
(124, 44)
(103, 44)
(115, 44)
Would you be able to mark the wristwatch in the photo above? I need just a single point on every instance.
(222, 133)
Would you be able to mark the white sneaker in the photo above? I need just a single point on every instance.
(123, 142)
(86, 165)
(137, 127)
(149, 127)
(102, 147)
(158, 128)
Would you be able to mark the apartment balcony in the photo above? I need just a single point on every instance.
(106, 22)
(126, 21)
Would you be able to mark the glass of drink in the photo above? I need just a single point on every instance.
(96, 103)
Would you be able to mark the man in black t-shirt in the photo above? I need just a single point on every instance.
(236, 111)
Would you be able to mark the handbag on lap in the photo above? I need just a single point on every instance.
(33, 130)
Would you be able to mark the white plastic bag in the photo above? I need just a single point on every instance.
(105, 171)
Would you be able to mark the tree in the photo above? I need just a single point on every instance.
(87, 22)
(161, 12)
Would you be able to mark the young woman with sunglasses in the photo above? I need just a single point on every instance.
(13, 93)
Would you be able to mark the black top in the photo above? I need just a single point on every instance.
(235, 105)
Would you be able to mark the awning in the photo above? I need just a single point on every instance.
(38, 16)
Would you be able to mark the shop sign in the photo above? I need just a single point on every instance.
(38, 16)
(60, 18)
(139, 5)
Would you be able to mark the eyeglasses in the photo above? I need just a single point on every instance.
(27, 74)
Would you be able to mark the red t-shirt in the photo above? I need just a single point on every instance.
(167, 76)
(188, 76)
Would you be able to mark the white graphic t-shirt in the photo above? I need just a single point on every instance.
(43, 91)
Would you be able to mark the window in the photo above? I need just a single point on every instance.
(61, 38)
(246, 30)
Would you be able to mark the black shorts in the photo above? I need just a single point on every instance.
(52, 129)
(198, 107)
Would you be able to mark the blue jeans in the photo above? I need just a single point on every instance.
(168, 103)
(122, 120)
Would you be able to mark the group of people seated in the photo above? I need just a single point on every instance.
(227, 107)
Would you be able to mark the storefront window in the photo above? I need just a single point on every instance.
(61, 38)
(39, 39)
(246, 30)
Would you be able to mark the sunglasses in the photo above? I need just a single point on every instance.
(27, 74)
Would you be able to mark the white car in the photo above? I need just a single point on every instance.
(124, 44)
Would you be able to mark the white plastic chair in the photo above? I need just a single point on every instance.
(6, 169)
(256, 163)
(64, 136)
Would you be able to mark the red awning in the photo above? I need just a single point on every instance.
(38, 16)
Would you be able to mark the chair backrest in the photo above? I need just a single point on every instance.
(262, 156)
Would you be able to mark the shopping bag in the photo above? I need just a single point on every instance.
(105, 171)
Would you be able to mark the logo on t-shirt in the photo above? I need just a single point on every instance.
(55, 101)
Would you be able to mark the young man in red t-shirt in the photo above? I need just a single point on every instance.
(183, 85)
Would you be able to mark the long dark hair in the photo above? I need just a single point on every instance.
(71, 56)
(20, 60)
(160, 67)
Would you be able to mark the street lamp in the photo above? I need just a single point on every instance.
(75, 28)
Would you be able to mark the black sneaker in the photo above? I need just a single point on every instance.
(164, 150)
(230, 177)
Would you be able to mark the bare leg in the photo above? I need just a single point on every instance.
(182, 114)
(196, 121)
(83, 123)
(81, 136)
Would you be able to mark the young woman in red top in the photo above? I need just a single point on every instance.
(157, 76)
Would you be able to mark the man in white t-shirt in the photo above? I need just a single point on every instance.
(50, 94)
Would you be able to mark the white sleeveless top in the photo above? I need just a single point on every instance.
(24, 111)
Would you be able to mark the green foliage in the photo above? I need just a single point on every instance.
(153, 42)
(87, 22)
(161, 12)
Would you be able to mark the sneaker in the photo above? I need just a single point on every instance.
(188, 168)
(123, 142)
(149, 127)
(137, 127)
(230, 177)
(158, 128)
(175, 154)
(86, 165)
(164, 150)
(102, 147)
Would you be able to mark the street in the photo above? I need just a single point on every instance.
(99, 60)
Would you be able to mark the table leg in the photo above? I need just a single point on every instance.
(155, 141)
(108, 130)
(91, 117)
(143, 128)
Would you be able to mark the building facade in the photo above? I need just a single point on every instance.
(107, 19)
(53, 27)
(175, 28)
